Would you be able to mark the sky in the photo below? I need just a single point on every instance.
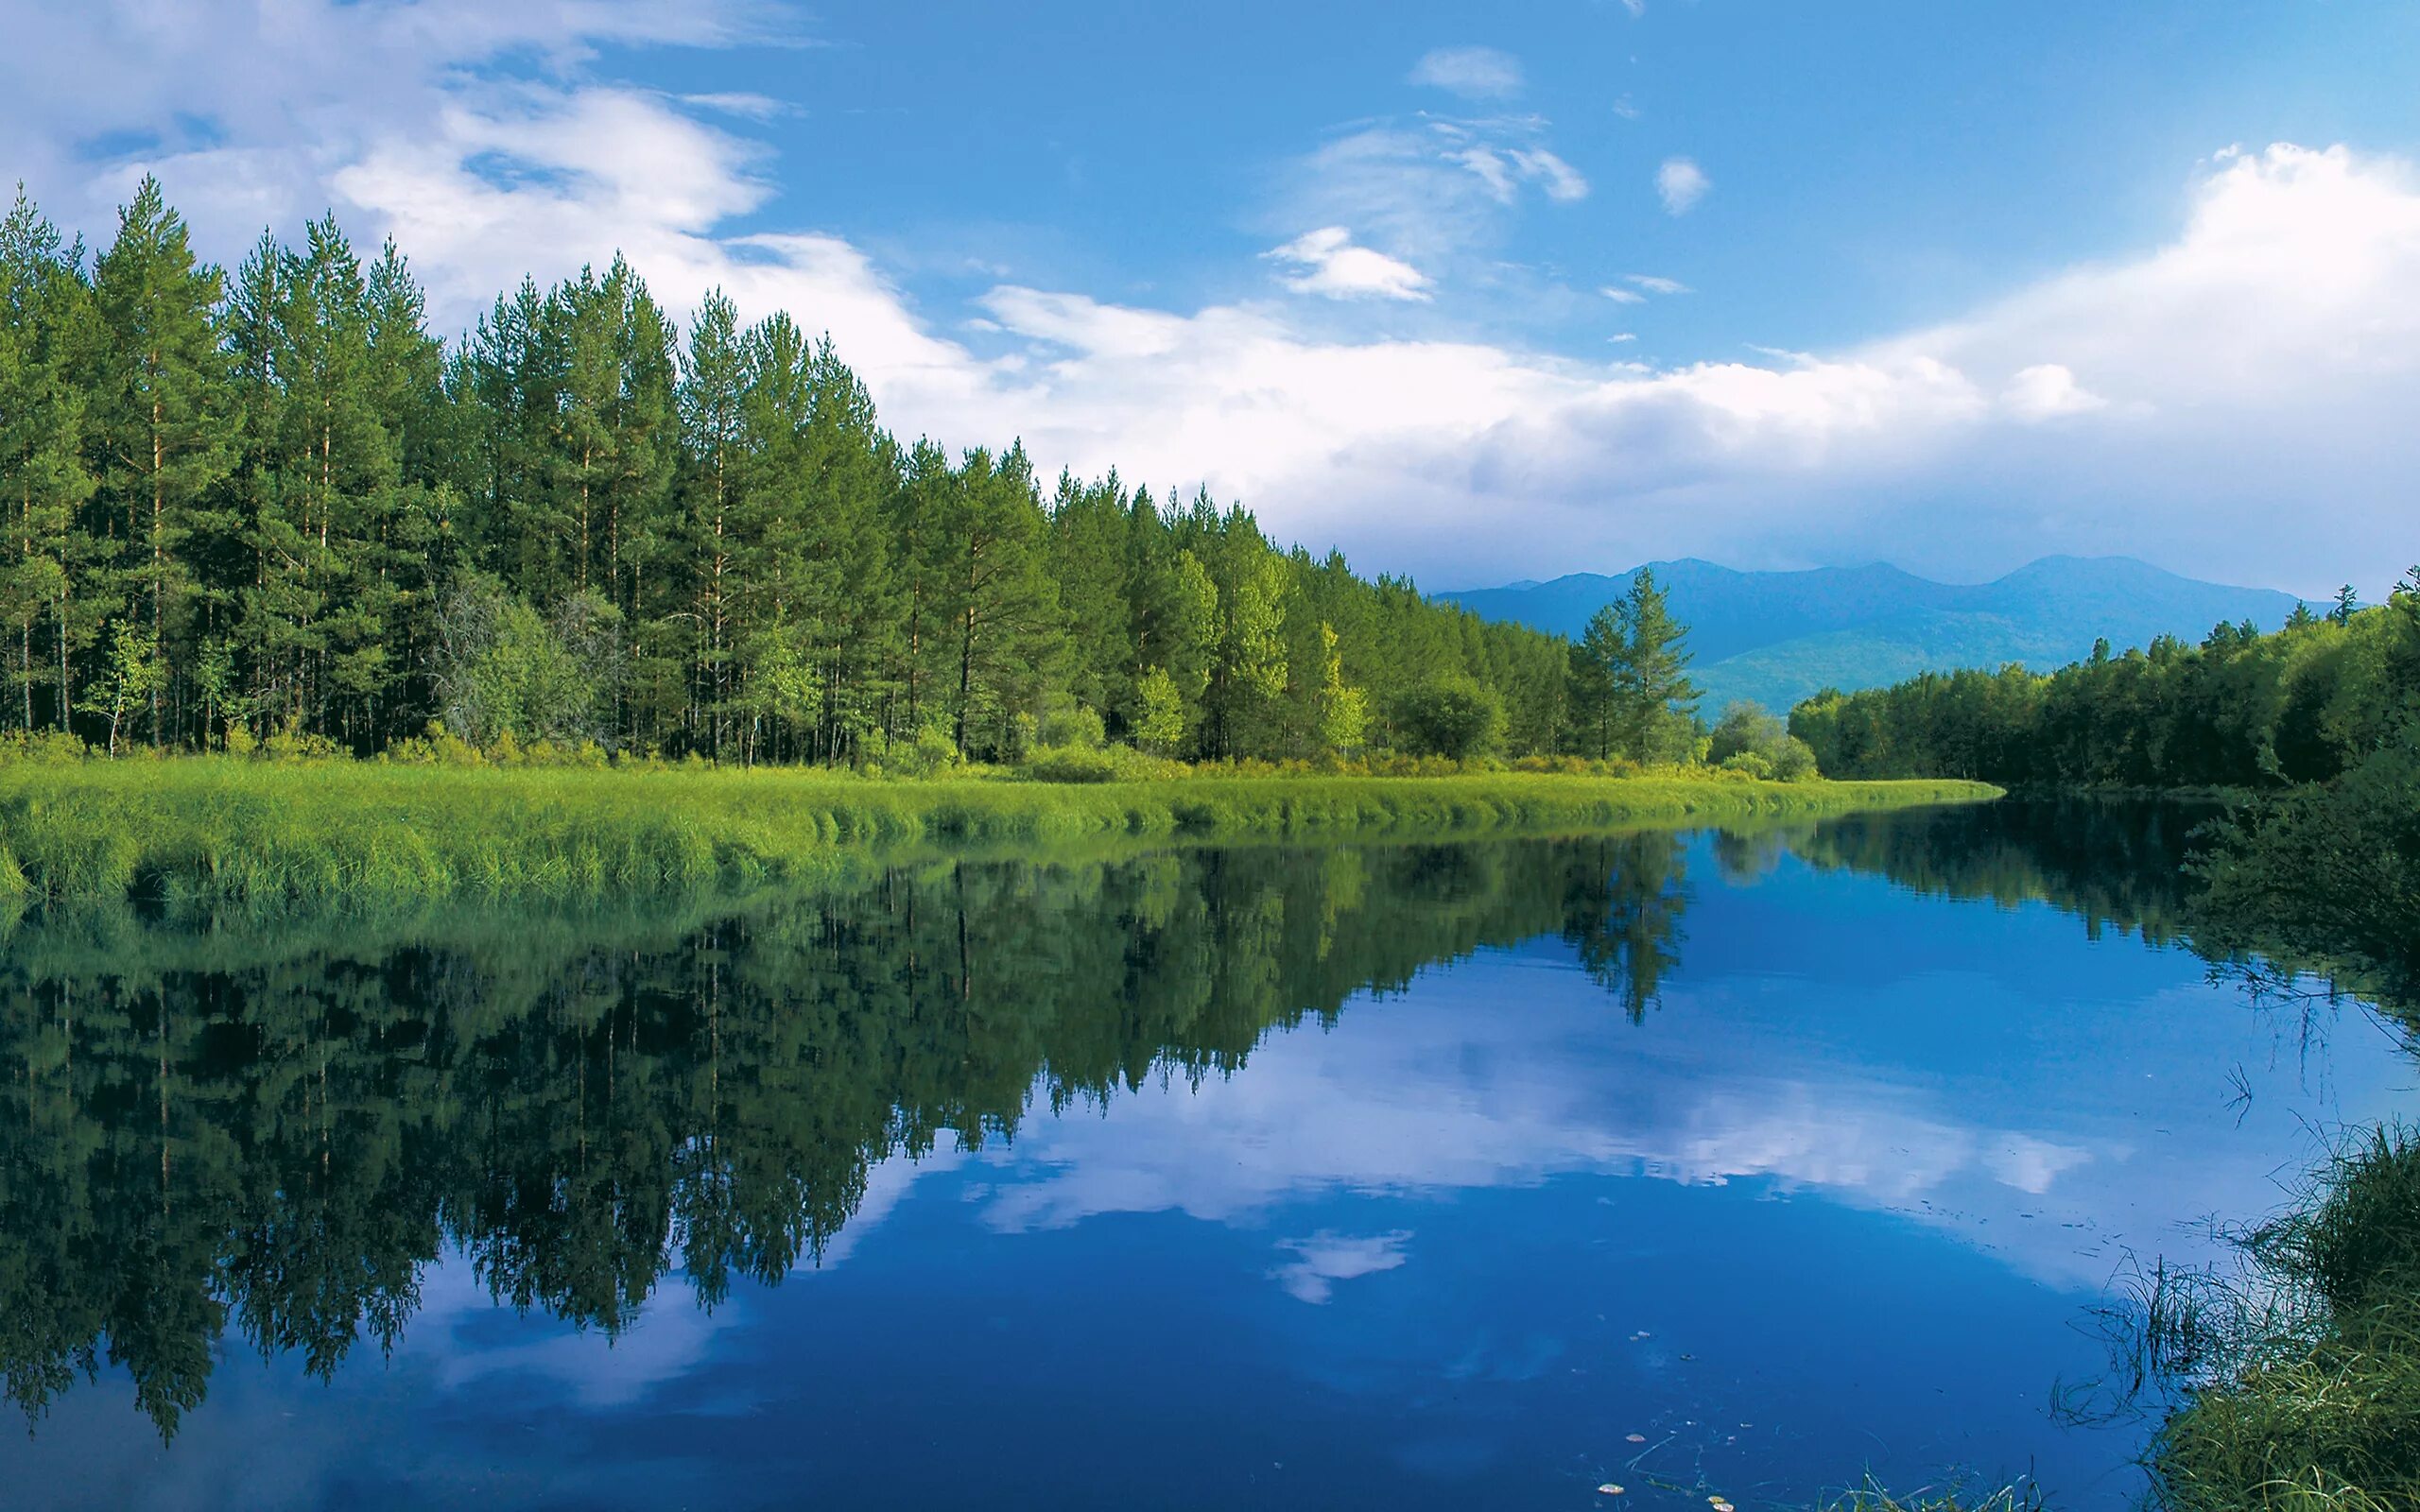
(1472, 292)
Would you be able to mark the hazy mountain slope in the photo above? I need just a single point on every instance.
(1777, 637)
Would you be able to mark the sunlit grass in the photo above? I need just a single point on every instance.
(216, 831)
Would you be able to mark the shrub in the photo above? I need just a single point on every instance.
(1748, 739)
(1070, 764)
(1749, 764)
(1452, 717)
(1795, 761)
(42, 747)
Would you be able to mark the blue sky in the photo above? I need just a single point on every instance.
(1478, 292)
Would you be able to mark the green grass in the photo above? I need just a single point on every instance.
(218, 833)
(2322, 1416)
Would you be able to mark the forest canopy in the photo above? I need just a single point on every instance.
(270, 504)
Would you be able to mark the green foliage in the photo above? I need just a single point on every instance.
(1159, 727)
(1746, 738)
(2314, 1405)
(130, 678)
(579, 524)
(505, 672)
(2241, 709)
(1629, 688)
(540, 822)
(1452, 717)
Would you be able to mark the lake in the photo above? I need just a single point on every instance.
(1711, 1164)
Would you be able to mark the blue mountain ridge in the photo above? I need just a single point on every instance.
(1777, 637)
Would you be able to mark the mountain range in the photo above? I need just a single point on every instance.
(1777, 637)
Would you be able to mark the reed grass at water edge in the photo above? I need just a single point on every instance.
(216, 831)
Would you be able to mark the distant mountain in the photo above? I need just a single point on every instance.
(1777, 637)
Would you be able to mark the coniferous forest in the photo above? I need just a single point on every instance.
(269, 502)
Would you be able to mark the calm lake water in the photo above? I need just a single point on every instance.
(1387, 1176)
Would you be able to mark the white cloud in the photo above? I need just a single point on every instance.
(2046, 391)
(1473, 73)
(1681, 183)
(1562, 182)
(2234, 402)
(1329, 264)
(1654, 284)
(1622, 295)
(1432, 190)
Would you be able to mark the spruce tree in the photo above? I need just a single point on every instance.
(1652, 689)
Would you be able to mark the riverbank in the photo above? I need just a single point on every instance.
(219, 833)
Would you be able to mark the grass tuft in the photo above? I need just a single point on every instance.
(2322, 1416)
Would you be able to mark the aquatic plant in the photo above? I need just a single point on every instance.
(1873, 1498)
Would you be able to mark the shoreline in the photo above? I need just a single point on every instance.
(217, 832)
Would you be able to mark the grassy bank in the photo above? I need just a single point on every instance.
(2313, 1401)
(220, 833)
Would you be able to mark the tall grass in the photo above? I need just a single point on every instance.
(217, 832)
(2322, 1416)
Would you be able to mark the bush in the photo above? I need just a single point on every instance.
(1106, 763)
(1746, 739)
(1744, 728)
(42, 747)
(1795, 761)
(928, 750)
(1749, 762)
(292, 745)
(1452, 717)
(1070, 764)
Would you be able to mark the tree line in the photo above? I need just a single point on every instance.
(2306, 704)
(269, 502)
(2318, 721)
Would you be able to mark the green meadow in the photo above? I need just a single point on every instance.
(215, 833)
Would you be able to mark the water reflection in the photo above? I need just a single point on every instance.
(360, 1142)
(278, 1137)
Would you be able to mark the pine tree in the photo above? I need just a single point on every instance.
(1001, 607)
(167, 422)
(1596, 663)
(714, 389)
(46, 324)
(1652, 689)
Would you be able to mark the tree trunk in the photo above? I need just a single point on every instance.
(158, 565)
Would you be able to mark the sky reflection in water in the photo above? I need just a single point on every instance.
(1840, 1201)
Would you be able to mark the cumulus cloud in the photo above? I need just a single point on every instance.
(2235, 400)
(2047, 390)
(1473, 73)
(1681, 183)
(1328, 262)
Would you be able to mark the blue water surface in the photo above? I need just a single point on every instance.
(1844, 1198)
